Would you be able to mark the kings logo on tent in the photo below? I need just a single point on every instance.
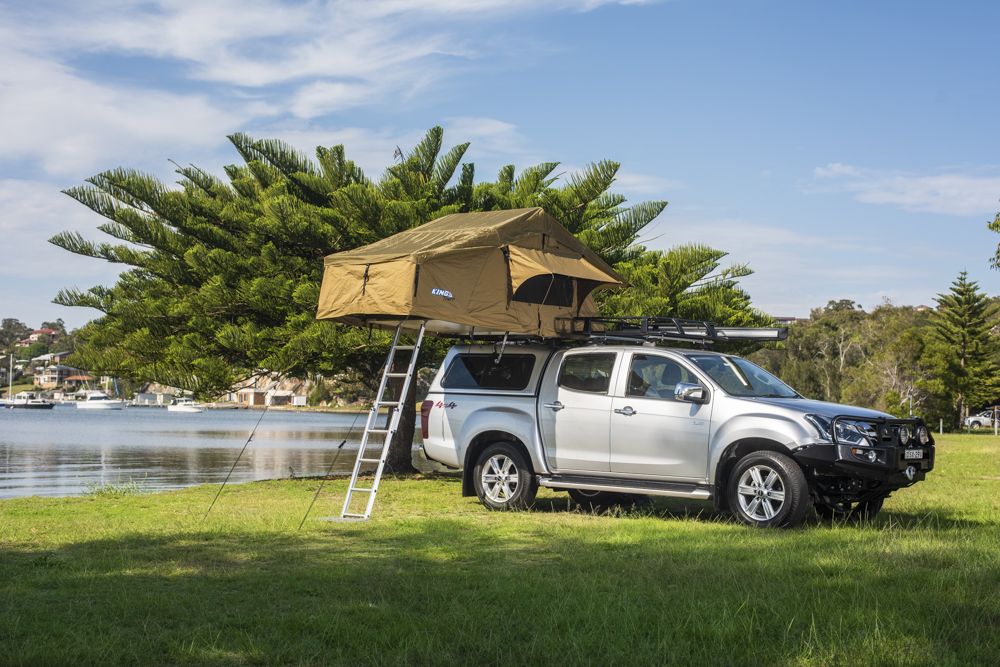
(442, 292)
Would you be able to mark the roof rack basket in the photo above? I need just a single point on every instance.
(657, 329)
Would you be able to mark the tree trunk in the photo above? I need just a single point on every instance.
(399, 460)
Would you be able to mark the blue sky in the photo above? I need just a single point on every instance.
(843, 150)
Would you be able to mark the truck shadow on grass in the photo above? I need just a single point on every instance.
(666, 508)
(503, 588)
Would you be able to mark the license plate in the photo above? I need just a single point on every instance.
(913, 454)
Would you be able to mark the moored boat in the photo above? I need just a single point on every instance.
(30, 401)
(98, 400)
(185, 405)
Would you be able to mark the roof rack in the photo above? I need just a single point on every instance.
(657, 329)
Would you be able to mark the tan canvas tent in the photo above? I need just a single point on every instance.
(517, 271)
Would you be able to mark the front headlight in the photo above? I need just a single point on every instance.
(849, 432)
(821, 424)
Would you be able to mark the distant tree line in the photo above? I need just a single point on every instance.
(944, 362)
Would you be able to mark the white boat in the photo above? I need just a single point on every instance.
(29, 400)
(185, 405)
(98, 400)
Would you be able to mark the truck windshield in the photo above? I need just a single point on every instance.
(739, 377)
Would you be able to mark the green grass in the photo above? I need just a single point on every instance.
(436, 579)
(16, 388)
(114, 490)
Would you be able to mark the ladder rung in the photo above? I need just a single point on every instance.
(351, 515)
(405, 347)
(371, 460)
(378, 430)
(358, 489)
(388, 404)
(397, 375)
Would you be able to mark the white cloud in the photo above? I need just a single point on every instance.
(947, 193)
(74, 126)
(30, 213)
(795, 270)
(268, 59)
(489, 136)
(646, 184)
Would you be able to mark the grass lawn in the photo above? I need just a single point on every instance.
(436, 578)
(29, 386)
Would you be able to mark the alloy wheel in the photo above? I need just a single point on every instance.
(500, 478)
(761, 492)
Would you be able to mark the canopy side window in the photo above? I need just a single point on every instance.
(484, 371)
(549, 290)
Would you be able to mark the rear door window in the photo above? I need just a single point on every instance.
(483, 371)
(587, 372)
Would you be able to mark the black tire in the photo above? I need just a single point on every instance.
(838, 511)
(597, 501)
(861, 512)
(867, 510)
(780, 501)
(975, 426)
(513, 485)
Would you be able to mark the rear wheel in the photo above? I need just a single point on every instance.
(769, 490)
(503, 478)
(975, 426)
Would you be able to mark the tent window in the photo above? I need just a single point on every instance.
(549, 290)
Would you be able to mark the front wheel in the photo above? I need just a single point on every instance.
(769, 490)
(975, 426)
(503, 478)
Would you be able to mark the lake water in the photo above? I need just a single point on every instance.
(63, 451)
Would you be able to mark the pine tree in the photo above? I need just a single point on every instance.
(994, 226)
(222, 276)
(685, 282)
(963, 322)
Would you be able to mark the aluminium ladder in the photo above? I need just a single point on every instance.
(388, 430)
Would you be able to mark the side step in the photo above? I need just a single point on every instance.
(615, 485)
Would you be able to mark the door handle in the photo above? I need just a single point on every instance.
(556, 406)
(627, 411)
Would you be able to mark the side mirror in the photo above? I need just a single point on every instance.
(692, 393)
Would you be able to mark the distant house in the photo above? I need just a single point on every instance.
(266, 390)
(251, 397)
(54, 375)
(77, 381)
(152, 398)
(279, 397)
(37, 334)
(51, 358)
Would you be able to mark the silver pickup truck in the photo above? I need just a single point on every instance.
(608, 423)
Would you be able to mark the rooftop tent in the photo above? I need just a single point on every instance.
(517, 271)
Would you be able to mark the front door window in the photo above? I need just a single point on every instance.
(656, 377)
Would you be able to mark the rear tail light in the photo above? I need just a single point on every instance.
(425, 418)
